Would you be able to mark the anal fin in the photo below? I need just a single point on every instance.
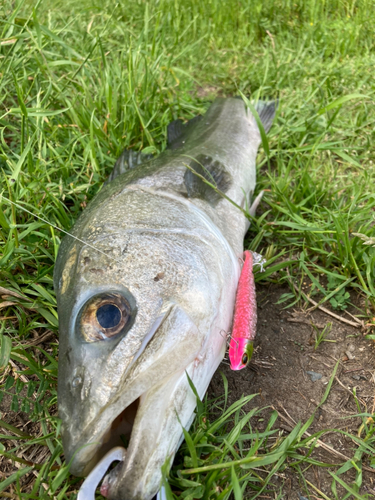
(255, 204)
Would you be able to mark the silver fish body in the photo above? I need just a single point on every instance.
(147, 293)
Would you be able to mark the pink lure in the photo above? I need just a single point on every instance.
(245, 317)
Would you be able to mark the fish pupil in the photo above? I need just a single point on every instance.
(244, 359)
(108, 316)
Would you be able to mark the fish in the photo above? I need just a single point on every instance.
(146, 285)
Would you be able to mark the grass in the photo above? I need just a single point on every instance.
(321, 336)
(80, 84)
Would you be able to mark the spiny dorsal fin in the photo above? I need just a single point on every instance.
(127, 160)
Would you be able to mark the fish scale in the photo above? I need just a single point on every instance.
(159, 216)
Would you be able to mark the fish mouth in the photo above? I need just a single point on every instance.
(119, 431)
(116, 436)
(116, 433)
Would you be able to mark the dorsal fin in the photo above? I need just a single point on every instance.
(127, 160)
(178, 131)
(174, 130)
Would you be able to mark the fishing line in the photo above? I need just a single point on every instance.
(62, 230)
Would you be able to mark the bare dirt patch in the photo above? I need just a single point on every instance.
(291, 376)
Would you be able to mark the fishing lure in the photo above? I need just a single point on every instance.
(245, 314)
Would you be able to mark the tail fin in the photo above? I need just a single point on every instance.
(266, 111)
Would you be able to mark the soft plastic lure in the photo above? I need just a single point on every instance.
(245, 314)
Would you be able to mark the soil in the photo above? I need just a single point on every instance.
(285, 353)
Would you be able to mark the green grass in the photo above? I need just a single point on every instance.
(80, 84)
(224, 454)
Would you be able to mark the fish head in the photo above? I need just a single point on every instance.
(126, 335)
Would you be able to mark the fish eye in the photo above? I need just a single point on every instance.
(108, 316)
(245, 359)
(105, 316)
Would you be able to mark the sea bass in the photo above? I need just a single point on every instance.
(146, 290)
